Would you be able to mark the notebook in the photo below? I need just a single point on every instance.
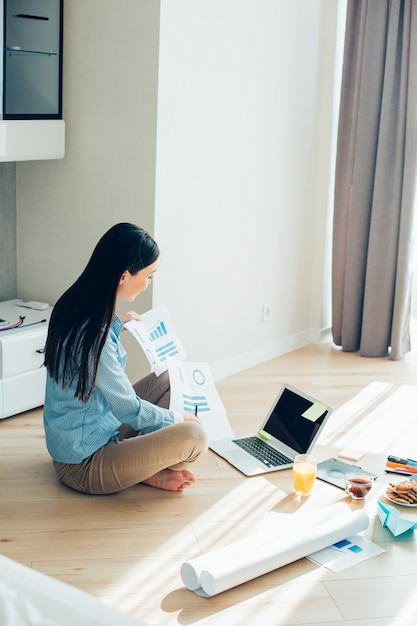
(291, 427)
(334, 472)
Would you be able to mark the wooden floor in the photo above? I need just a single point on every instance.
(127, 549)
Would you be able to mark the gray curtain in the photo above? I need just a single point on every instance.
(375, 183)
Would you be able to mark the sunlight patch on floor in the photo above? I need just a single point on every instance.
(392, 412)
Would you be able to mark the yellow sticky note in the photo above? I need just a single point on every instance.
(315, 411)
(264, 435)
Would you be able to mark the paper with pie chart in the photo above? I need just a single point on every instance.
(193, 389)
(156, 334)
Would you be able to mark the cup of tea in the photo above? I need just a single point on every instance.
(304, 474)
(358, 485)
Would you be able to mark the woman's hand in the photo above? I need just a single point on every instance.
(130, 315)
(190, 417)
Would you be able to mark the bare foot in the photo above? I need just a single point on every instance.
(171, 480)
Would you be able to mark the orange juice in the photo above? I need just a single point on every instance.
(303, 475)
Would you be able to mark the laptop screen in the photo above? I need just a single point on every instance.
(295, 420)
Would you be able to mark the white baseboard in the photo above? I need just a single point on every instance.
(321, 336)
(243, 361)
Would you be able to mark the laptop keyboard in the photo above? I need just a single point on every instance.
(262, 451)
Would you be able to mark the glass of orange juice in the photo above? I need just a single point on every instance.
(304, 474)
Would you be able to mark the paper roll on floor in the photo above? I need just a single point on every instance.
(291, 538)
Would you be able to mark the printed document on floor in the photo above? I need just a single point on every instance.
(346, 553)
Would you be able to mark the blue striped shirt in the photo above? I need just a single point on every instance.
(74, 430)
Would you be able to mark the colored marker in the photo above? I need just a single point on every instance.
(396, 459)
(403, 468)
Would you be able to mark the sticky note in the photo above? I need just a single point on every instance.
(352, 455)
(264, 435)
(315, 411)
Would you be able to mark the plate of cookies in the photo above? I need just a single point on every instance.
(403, 493)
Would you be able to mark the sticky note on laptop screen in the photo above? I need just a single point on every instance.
(315, 411)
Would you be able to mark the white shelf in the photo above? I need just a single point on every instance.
(31, 140)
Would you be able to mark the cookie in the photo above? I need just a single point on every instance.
(404, 492)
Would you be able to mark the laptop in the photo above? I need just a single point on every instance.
(291, 427)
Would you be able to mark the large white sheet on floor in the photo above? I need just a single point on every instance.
(281, 539)
(29, 598)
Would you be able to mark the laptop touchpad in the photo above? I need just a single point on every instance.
(239, 455)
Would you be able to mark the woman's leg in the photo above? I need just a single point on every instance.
(155, 389)
(161, 458)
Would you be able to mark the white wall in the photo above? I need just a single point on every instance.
(239, 134)
(244, 166)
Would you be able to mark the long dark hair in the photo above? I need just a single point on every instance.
(82, 317)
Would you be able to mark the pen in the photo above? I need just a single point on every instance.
(196, 409)
(396, 459)
(32, 323)
(412, 469)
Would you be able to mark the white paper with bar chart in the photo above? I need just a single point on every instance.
(156, 334)
(192, 386)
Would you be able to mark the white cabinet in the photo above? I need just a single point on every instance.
(22, 374)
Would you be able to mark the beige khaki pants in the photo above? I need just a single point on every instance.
(134, 458)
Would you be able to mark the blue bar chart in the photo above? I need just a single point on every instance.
(191, 403)
(167, 349)
(158, 331)
(156, 335)
(193, 391)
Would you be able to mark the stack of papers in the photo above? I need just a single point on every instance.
(192, 385)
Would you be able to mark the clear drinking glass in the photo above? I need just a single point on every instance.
(304, 474)
(358, 485)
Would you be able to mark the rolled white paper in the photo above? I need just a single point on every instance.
(292, 538)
